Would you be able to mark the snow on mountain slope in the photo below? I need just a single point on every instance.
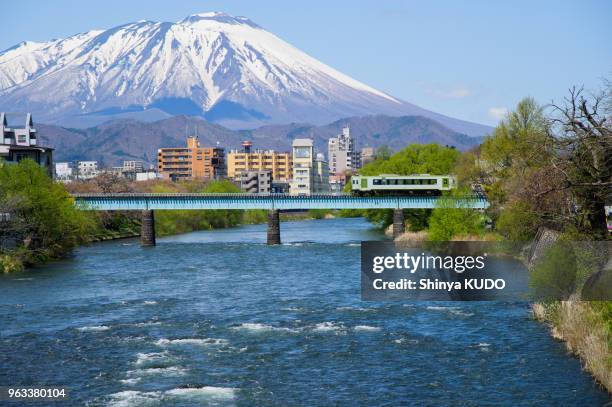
(224, 68)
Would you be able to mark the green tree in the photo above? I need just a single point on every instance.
(43, 219)
(553, 169)
(512, 166)
(414, 159)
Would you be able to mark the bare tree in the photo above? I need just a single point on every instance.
(581, 137)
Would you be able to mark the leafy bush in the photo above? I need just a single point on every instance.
(43, 219)
(448, 222)
(554, 275)
(518, 222)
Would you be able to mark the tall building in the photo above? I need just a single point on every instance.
(19, 143)
(191, 162)
(269, 160)
(342, 153)
(309, 174)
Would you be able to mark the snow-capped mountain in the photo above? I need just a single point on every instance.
(224, 68)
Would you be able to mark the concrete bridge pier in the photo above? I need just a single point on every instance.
(147, 229)
(274, 227)
(398, 222)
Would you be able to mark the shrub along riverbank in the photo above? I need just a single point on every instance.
(38, 218)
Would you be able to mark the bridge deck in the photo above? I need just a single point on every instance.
(110, 202)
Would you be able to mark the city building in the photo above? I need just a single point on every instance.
(129, 169)
(256, 182)
(18, 143)
(146, 176)
(321, 174)
(261, 160)
(303, 160)
(343, 156)
(368, 154)
(116, 171)
(191, 162)
(87, 169)
(133, 166)
(310, 174)
(63, 172)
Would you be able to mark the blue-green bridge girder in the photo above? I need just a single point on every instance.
(178, 201)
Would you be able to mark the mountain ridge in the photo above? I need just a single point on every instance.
(128, 139)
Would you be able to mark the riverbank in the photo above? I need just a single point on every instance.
(585, 329)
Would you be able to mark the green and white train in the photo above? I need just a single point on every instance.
(391, 184)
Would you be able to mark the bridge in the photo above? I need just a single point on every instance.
(274, 203)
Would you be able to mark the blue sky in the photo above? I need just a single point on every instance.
(469, 59)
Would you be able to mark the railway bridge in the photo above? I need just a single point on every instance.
(147, 203)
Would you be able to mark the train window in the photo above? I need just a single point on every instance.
(376, 181)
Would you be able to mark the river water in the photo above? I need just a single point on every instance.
(219, 318)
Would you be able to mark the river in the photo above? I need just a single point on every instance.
(219, 318)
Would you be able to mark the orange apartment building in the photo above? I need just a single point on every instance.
(191, 162)
(279, 164)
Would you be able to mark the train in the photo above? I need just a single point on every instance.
(393, 184)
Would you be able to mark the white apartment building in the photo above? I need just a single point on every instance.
(21, 142)
(133, 166)
(63, 172)
(310, 175)
(87, 169)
